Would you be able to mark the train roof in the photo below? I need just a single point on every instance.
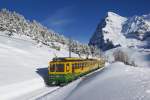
(70, 59)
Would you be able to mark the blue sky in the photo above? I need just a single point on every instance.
(75, 18)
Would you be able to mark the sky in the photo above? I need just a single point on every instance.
(76, 19)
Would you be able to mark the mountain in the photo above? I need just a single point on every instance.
(115, 30)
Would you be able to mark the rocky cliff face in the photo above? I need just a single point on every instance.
(115, 30)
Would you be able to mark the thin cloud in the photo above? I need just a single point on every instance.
(60, 19)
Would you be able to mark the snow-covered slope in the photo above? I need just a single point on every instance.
(116, 82)
(115, 30)
(15, 23)
(22, 65)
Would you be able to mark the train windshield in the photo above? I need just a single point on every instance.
(57, 68)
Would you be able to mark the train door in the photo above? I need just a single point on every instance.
(67, 67)
(82, 65)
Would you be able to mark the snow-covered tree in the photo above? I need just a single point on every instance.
(13, 22)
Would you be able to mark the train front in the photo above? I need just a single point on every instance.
(56, 72)
(60, 72)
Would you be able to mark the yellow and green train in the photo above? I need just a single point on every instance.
(66, 69)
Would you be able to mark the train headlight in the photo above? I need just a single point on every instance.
(54, 82)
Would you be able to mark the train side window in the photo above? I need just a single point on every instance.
(52, 68)
(59, 67)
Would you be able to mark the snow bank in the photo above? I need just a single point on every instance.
(16, 89)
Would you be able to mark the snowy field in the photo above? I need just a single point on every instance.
(23, 64)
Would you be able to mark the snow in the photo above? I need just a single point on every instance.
(116, 82)
(113, 28)
(37, 94)
(61, 93)
(138, 23)
(121, 31)
(21, 65)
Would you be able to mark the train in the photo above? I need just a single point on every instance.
(62, 70)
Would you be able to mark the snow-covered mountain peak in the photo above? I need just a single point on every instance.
(137, 24)
(113, 17)
(112, 14)
(117, 30)
(112, 30)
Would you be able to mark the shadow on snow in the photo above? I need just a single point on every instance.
(43, 72)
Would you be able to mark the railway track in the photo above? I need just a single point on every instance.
(57, 93)
(39, 97)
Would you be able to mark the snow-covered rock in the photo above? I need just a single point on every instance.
(115, 30)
